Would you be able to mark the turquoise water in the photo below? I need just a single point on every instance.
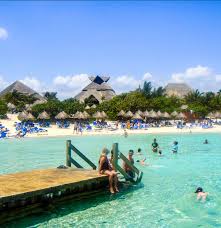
(164, 199)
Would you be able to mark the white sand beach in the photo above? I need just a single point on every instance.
(54, 131)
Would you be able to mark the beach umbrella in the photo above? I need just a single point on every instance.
(146, 114)
(93, 106)
(11, 106)
(98, 115)
(174, 113)
(217, 114)
(87, 107)
(140, 112)
(86, 115)
(210, 115)
(62, 115)
(43, 116)
(153, 114)
(137, 116)
(30, 117)
(181, 116)
(104, 114)
(121, 113)
(166, 115)
(79, 115)
(129, 114)
(159, 114)
(184, 107)
(28, 107)
(22, 116)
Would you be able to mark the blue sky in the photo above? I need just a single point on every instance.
(56, 45)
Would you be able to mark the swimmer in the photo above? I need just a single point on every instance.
(175, 147)
(201, 194)
(160, 153)
(125, 133)
(206, 141)
(142, 162)
(139, 151)
(155, 146)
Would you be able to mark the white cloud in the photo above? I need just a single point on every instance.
(3, 83)
(218, 78)
(34, 84)
(202, 72)
(125, 83)
(3, 34)
(70, 85)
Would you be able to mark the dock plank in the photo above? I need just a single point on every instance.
(24, 182)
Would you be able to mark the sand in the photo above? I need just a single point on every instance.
(54, 131)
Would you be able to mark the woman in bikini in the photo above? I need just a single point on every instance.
(105, 168)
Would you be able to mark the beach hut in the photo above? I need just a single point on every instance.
(153, 114)
(137, 116)
(43, 116)
(93, 106)
(121, 113)
(30, 116)
(129, 114)
(87, 107)
(62, 116)
(140, 112)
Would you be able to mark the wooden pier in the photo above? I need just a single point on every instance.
(34, 189)
(28, 192)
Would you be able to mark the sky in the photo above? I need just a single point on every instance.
(55, 46)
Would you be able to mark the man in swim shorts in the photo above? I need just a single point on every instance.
(155, 146)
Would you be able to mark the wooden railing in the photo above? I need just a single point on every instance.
(118, 155)
(70, 160)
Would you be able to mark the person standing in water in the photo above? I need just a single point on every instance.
(127, 168)
(206, 141)
(155, 146)
(175, 147)
(201, 194)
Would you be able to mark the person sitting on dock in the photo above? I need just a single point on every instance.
(105, 168)
(127, 168)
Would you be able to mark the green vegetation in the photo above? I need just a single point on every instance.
(145, 98)
(3, 108)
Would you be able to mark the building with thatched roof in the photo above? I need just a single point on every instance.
(21, 88)
(98, 89)
(177, 89)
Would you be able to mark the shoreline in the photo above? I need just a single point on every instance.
(54, 131)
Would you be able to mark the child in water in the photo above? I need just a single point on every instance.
(201, 194)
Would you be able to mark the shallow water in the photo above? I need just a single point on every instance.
(164, 199)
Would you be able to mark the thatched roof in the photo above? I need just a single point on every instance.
(177, 89)
(146, 114)
(174, 113)
(11, 106)
(153, 114)
(98, 88)
(159, 113)
(79, 115)
(104, 114)
(62, 115)
(43, 116)
(98, 115)
(22, 88)
(129, 114)
(180, 116)
(25, 116)
(87, 107)
(121, 113)
(166, 115)
(137, 116)
(86, 115)
(140, 113)
(93, 106)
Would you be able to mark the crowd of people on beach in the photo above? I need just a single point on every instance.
(106, 166)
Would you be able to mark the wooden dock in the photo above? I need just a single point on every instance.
(20, 192)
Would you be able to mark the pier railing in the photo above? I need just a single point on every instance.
(70, 160)
(118, 155)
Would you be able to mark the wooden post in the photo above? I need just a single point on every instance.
(68, 153)
(115, 156)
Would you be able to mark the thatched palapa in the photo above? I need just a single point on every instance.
(43, 116)
(62, 116)
(177, 89)
(121, 113)
(137, 116)
(98, 115)
(129, 114)
(98, 89)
